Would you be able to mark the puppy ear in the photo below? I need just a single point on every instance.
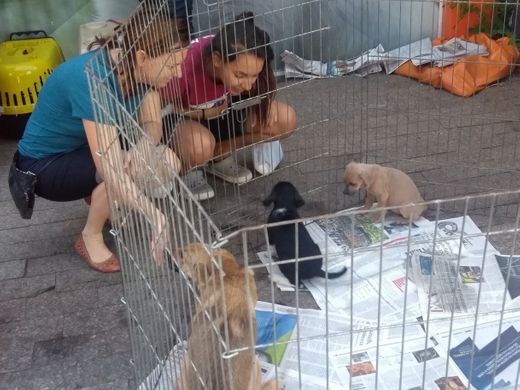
(298, 200)
(270, 199)
(366, 177)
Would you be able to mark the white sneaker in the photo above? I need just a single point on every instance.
(197, 184)
(228, 170)
(267, 156)
(160, 191)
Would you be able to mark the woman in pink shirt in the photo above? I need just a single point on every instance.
(232, 66)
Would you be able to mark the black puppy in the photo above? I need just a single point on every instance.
(286, 202)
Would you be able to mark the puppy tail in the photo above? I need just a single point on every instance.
(332, 275)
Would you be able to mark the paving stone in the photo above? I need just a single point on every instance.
(35, 378)
(12, 310)
(85, 276)
(35, 329)
(117, 385)
(43, 215)
(57, 349)
(38, 248)
(16, 354)
(36, 231)
(110, 295)
(12, 269)
(53, 264)
(92, 321)
(61, 302)
(98, 372)
(26, 287)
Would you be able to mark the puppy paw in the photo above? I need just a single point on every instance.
(376, 219)
(403, 221)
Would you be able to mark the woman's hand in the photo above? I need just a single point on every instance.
(273, 116)
(160, 239)
(210, 113)
(207, 113)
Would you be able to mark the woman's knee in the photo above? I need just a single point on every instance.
(286, 120)
(196, 144)
(291, 119)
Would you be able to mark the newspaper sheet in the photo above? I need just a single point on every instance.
(358, 292)
(368, 294)
(291, 379)
(374, 287)
(464, 287)
(269, 258)
(367, 63)
(395, 58)
(307, 350)
(448, 238)
(488, 354)
(510, 270)
(455, 49)
(371, 61)
(307, 360)
(412, 365)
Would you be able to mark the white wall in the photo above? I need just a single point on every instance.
(355, 25)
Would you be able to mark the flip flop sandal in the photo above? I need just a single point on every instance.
(109, 265)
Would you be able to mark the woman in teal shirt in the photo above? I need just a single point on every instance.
(61, 132)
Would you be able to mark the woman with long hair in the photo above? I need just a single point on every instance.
(234, 65)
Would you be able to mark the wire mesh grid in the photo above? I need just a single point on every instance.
(402, 315)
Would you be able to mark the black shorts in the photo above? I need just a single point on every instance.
(229, 125)
(70, 176)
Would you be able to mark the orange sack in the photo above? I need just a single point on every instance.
(469, 74)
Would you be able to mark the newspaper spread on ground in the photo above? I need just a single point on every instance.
(412, 364)
(488, 353)
(510, 270)
(307, 350)
(395, 58)
(455, 49)
(269, 259)
(428, 277)
(383, 267)
(306, 360)
(377, 276)
(367, 63)
(373, 60)
(462, 286)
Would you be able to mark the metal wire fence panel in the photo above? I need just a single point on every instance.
(428, 302)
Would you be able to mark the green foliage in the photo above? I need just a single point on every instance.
(496, 19)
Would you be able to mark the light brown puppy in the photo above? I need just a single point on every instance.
(389, 187)
(204, 361)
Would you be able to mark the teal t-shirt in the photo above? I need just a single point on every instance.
(56, 126)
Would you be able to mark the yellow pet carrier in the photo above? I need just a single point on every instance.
(26, 60)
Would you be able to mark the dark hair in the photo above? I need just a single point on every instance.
(243, 36)
(149, 29)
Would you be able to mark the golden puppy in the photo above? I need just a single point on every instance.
(204, 356)
(389, 187)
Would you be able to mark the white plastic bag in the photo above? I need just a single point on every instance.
(267, 156)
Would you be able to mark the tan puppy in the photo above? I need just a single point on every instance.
(389, 187)
(204, 347)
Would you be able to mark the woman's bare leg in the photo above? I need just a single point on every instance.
(98, 214)
(281, 124)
